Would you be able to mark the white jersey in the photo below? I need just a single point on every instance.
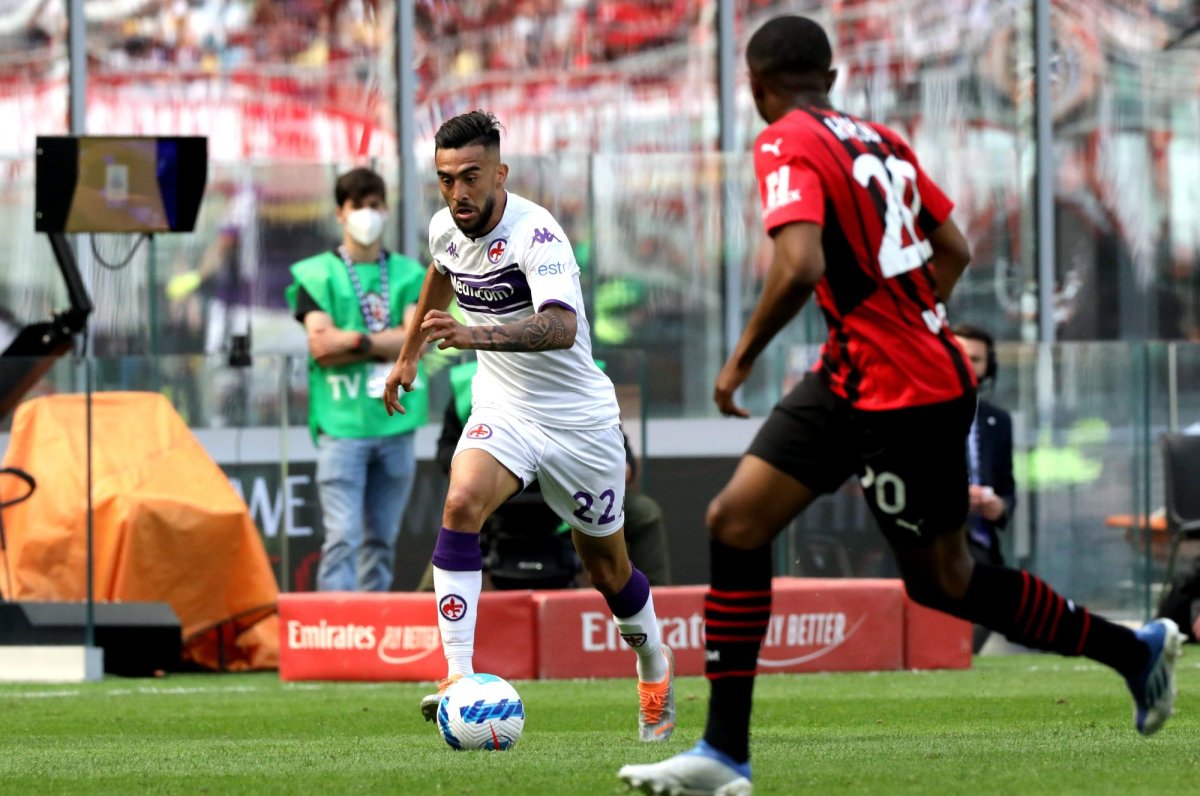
(522, 265)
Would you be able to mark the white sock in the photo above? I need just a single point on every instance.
(457, 600)
(642, 634)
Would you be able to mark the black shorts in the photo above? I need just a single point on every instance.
(912, 463)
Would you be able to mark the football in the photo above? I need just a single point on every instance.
(481, 711)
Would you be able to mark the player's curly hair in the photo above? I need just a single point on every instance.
(788, 46)
(469, 129)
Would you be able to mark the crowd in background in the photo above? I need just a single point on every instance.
(577, 79)
(463, 41)
(468, 39)
(208, 35)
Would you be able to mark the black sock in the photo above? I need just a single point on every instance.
(1030, 613)
(737, 609)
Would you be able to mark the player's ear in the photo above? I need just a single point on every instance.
(757, 89)
(830, 79)
(501, 175)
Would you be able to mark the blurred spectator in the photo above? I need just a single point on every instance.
(992, 492)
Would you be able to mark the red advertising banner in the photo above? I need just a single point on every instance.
(934, 640)
(394, 636)
(816, 625)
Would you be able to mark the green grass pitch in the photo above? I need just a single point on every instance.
(1021, 724)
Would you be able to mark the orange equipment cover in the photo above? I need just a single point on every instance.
(168, 526)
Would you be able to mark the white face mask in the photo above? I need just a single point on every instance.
(365, 225)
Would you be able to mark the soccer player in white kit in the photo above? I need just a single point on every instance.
(541, 407)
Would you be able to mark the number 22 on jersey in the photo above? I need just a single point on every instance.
(894, 176)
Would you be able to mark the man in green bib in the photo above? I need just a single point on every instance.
(355, 303)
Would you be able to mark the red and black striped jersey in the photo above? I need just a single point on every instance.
(889, 344)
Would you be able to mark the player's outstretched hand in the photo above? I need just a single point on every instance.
(728, 380)
(403, 374)
(445, 330)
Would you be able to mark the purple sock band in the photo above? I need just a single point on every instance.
(631, 599)
(457, 551)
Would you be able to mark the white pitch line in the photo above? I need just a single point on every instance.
(169, 691)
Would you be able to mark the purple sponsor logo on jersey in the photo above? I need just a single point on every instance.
(452, 249)
(544, 235)
(497, 292)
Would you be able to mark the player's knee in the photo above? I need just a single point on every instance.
(464, 509)
(716, 518)
(954, 570)
(940, 589)
(925, 591)
(725, 525)
(604, 576)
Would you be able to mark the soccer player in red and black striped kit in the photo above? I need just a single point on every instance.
(855, 220)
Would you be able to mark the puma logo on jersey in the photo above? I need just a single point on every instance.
(914, 527)
(773, 148)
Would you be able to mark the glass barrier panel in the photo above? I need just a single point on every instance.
(1087, 422)
(1087, 418)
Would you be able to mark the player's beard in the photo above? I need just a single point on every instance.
(485, 214)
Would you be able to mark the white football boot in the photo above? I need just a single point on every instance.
(700, 771)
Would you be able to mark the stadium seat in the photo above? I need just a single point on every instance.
(1181, 479)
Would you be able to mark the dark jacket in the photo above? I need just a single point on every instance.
(994, 427)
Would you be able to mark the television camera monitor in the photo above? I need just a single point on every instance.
(125, 184)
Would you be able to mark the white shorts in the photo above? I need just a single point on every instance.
(581, 472)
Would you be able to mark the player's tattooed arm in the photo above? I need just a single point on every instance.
(550, 329)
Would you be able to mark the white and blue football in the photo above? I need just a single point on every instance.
(481, 711)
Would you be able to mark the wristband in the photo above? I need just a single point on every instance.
(363, 345)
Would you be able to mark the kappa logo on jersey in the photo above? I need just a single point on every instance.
(452, 250)
(479, 431)
(544, 235)
(452, 607)
(773, 148)
(779, 190)
(496, 249)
